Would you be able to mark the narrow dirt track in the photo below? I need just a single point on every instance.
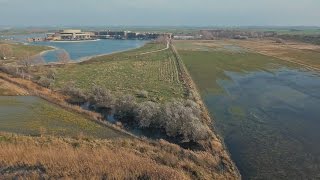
(150, 52)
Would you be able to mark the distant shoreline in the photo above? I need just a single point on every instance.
(76, 41)
(88, 58)
(45, 52)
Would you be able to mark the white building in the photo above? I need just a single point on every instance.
(69, 35)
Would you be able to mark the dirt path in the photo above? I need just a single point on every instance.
(307, 66)
(151, 52)
(216, 143)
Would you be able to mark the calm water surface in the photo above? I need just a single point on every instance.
(270, 122)
(81, 50)
(85, 49)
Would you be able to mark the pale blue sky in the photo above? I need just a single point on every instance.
(160, 12)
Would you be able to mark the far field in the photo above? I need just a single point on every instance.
(209, 60)
(127, 73)
(302, 54)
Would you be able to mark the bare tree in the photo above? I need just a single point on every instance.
(207, 35)
(162, 39)
(63, 57)
(125, 108)
(24, 59)
(76, 95)
(51, 73)
(5, 51)
(37, 60)
(45, 82)
(102, 97)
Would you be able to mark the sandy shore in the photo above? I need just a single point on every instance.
(45, 52)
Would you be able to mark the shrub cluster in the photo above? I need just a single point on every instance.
(178, 118)
(77, 96)
(45, 82)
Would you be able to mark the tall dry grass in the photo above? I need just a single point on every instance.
(50, 157)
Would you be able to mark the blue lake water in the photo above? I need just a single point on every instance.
(85, 49)
(270, 122)
(81, 50)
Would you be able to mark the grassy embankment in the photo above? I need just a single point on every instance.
(34, 116)
(127, 73)
(49, 157)
(17, 50)
(58, 118)
(8, 89)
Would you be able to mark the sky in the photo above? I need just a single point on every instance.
(160, 12)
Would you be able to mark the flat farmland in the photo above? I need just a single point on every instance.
(209, 60)
(305, 55)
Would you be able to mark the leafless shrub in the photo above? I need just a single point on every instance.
(161, 39)
(76, 95)
(45, 82)
(178, 118)
(183, 119)
(125, 107)
(101, 97)
(142, 94)
(12, 70)
(37, 60)
(147, 114)
(24, 59)
(51, 73)
(63, 57)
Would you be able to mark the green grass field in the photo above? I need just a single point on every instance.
(127, 73)
(33, 116)
(20, 50)
(33, 50)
